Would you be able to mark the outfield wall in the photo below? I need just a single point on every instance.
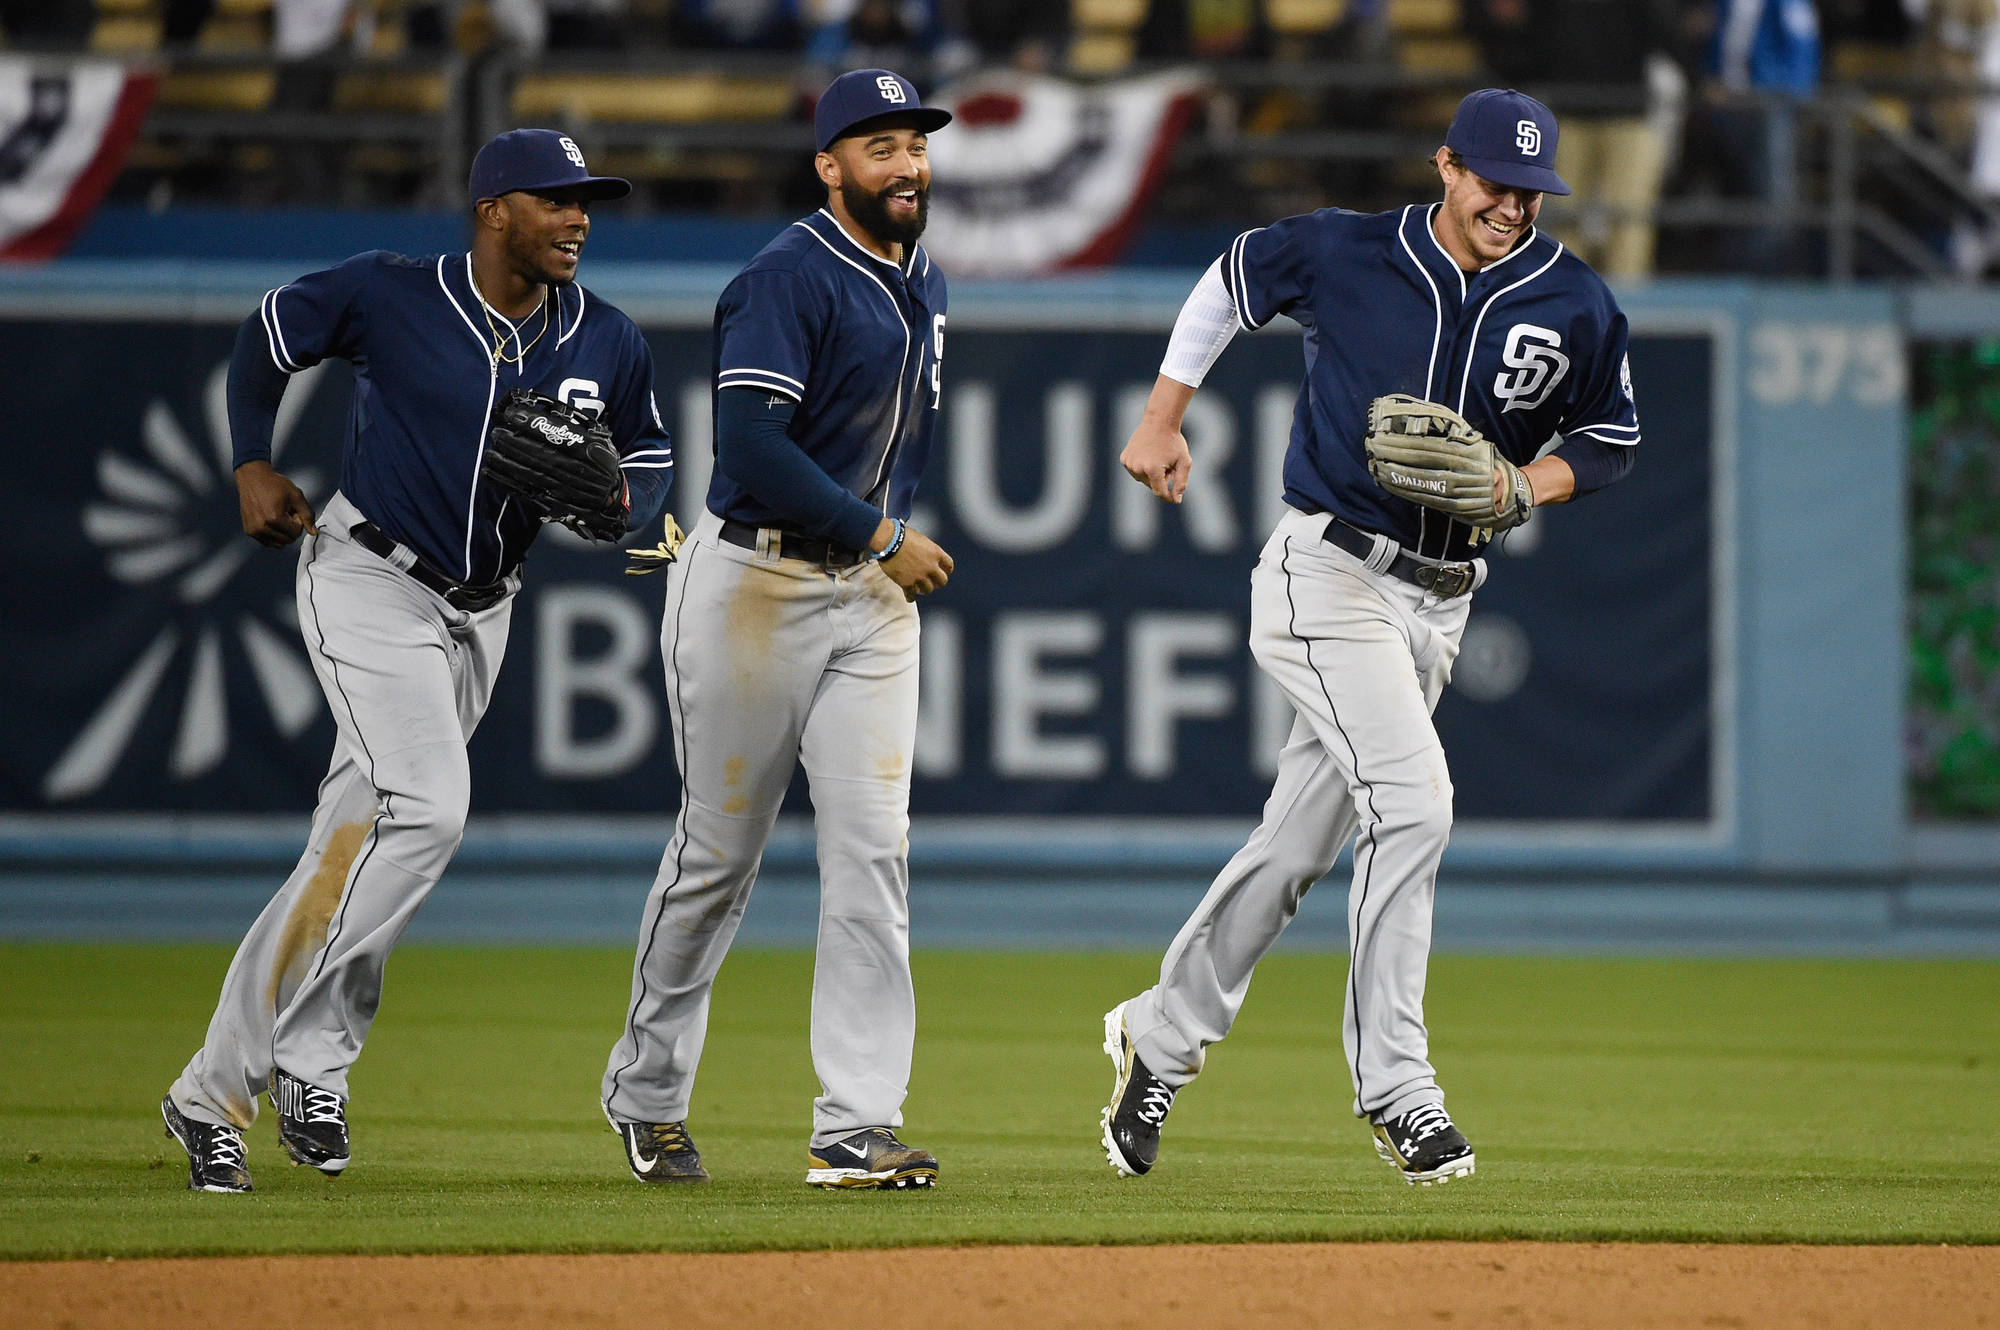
(1698, 674)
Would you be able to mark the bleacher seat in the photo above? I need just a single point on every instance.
(685, 98)
(392, 91)
(1101, 34)
(1304, 18)
(244, 90)
(1429, 38)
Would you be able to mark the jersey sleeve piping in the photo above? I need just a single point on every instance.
(763, 379)
(274, 335)
(1237, 291)
(1624, 435)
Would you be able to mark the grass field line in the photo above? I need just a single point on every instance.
(1624, 1100)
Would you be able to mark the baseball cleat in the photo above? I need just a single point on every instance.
(215, 1154)
(312, 1123)
(872, 1158)
(1425, 1146)
(658, 1151)
(1139, 1103)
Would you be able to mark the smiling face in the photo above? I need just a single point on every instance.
(1480, 222)
(881, 179)
(541, 235)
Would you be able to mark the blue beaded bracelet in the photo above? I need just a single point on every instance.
(895, 541)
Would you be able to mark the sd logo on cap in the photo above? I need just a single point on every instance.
(862, 95)
(1507, 137)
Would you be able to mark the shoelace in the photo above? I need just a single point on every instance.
(669, 1137)
(1154, 1103)
(1426, 1122)
(225, 1146)
(321, 1106)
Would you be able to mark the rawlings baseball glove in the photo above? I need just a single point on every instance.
(1430, 454)
(559, 461)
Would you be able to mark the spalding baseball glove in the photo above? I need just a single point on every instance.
(1432, 455)
(560, 461)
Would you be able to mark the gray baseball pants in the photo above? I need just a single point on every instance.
(772, 663)
(1363, 658)
(407, 677)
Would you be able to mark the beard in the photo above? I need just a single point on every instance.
(871, 213)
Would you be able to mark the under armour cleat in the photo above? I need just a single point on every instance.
(216, 1159)
(1425, 1146)
(872, 1158)
(312, 1123)
(1139, 1102)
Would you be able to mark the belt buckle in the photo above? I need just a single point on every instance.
(1445, 580)
(472, 599)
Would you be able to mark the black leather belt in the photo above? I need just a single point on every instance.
(468, 596)
(1440, 579)
(794, 545)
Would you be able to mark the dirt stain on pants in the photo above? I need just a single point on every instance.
(305, 928)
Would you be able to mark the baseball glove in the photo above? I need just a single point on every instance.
(559, 461)
(1430, 454)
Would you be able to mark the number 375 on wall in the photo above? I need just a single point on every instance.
(1826, 363)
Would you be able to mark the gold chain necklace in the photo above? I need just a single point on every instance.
(501, 339)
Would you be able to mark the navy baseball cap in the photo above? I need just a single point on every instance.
(537, 160)
(1509, 138)
(861, 95)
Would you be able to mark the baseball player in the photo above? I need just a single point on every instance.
(1445, 344)
(790, 637)
(405, 588)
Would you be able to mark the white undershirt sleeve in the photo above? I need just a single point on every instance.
(1206, 323)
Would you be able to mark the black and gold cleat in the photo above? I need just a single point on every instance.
(871, 1158)
(659, 1151)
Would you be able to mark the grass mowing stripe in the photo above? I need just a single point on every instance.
(1710, 1100)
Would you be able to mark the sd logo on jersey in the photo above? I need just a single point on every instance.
(1534, 354)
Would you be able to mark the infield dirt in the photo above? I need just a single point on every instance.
(1627, 1286)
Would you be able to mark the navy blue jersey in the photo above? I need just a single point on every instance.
(425, 383)
(856, 340)
(1528, 347)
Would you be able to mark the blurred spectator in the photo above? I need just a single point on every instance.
(587, 25)
(306, 37)
(1615, 145)
(1302, 31)
(743, 25)
(303, 30)
(48, 24)
(1204, 30)
(1961, 40)
(1026, 34)
(475, 27)
(1506, 34)
(181, 21)
(862, 34)
(1763, 57)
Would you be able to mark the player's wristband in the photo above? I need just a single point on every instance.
(895, 541)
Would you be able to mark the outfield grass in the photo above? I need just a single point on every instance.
(1817, 1101)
